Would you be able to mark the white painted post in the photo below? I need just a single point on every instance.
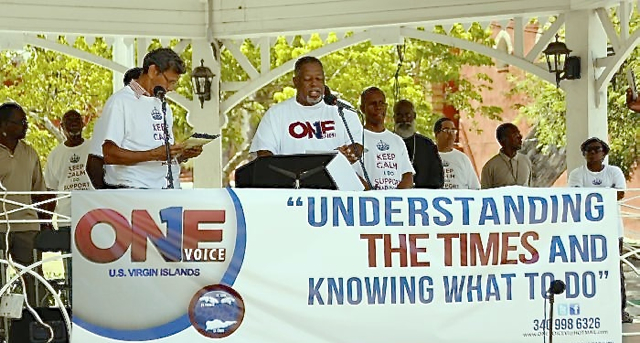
(586, 109)
(207, 168)
(123, 53)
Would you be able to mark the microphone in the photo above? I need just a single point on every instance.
(159, 92)
(557, 287)
(333, 100)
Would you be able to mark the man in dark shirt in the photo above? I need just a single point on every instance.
(423, 153)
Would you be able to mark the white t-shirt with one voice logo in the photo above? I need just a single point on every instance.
(290, 128)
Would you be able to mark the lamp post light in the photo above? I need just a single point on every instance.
(560, 63)
(201, 79)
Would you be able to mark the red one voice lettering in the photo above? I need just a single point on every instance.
(319, 129)
(183, 233)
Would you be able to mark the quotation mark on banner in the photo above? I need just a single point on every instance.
(603, 274)
(297, 203)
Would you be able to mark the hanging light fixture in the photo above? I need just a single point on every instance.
(560, 63)
(201, 79)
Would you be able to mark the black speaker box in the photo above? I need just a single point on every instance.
(28, 330)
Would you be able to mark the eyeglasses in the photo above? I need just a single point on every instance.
(171, 84)
(595, 149)
(451, 131)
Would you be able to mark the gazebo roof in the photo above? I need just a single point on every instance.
(248, 18)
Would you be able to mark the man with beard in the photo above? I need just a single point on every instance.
(20, 171)
(385, 155)
(507, 168)
(305, 123)
(422, 152)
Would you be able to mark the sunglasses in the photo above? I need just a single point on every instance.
(593, 149)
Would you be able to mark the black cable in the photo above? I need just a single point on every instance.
(167, 145)
(396, 85)
(353, 144)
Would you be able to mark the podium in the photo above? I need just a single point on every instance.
(316, 171)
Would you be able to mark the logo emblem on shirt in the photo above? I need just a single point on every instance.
(382, 146)
(155, 114)
(74, 158)
(596, 182)
(318, 130)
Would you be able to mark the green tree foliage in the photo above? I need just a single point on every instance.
(47, 84)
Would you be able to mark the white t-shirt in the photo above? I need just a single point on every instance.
(290, 128)
(385, 158)
(135, 124)
(458, 171)
(609, 177)
(66, 171)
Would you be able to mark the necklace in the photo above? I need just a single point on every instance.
(413, 154)
(510, 166)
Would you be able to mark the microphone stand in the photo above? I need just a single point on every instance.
(552, 297)
(167, 145)
(557, 287)
(353, 143)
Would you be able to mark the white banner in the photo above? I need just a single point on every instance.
(251, 265)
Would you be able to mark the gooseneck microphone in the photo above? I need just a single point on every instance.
(556, 287)
(159, 92)
(333, 100)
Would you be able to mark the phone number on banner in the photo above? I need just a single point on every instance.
(567, 323)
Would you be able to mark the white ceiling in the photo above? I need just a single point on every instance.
(252, 18)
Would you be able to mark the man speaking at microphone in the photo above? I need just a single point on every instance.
(130, 134)
(306, 123)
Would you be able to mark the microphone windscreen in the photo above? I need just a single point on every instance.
(557, 287)
(159, 92)
(329, 98)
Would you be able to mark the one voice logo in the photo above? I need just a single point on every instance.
(179, 244)
(216, 311)
(318, 130)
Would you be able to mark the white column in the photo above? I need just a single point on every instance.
(207, 168)
(123, 53)
(586, 109)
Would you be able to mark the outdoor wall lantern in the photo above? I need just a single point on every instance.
(202, 78)
(559, 62)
